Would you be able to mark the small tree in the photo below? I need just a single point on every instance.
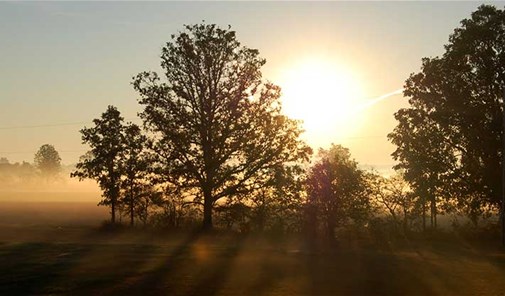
(103, 162)
(134, 164)
(336, 190)
(148, 199)
(278, 205)
(393, 196)
(47, 160)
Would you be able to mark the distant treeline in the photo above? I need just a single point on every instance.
(15, 174)
(46, 168)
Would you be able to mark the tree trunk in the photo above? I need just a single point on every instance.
(113, 212)
(405, 221)
(330, 230)
(145, 211)
(424, 213)
(132, 213)
(261, 217)
(132, 210)
(207, 210)
(433, 214)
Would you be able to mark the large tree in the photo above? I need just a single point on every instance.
(47, 160)
(103, 162)
(218, 126)
(449, 141)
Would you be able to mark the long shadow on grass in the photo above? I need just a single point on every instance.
(154, 282)
(385, 273)
(211, 283)
(108, 265)
(361, 270)
(33, 268)
(270, 274)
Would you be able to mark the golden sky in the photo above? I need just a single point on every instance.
(63, 63)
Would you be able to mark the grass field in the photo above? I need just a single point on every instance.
(44, 256)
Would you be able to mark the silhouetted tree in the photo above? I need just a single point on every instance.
(148, 199)
(393, 196)
(336, 189)
(103, 162)
(134, 169)
(275, 206)
(217, 125)
(278, 206)
(426, 157)
(449, 141)
(47, 160)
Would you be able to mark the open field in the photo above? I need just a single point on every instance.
(40, 256)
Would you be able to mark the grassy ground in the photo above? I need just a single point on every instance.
(59, 259)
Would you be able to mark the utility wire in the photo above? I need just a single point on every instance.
(83, 150)
(32, 152)
(54, 124)
(129, 119)
(42, 125)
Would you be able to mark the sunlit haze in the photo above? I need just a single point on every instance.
(325, 96)
(252, 148)
(63, 63)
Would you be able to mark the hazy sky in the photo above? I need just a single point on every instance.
(63, 62)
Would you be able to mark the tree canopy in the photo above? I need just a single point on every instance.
(336, 189)
(218, 126)
(449, 141)
(103, 161)
(48, 161)
(135, 171)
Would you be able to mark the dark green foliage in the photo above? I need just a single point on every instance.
(218, 126)
(449, 140)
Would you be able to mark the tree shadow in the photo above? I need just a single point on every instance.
(210, 284)
(270, 274)
(154, 281)
(37, 268)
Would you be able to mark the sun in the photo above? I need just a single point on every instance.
(325, 96)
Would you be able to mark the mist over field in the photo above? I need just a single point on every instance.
(30, 199)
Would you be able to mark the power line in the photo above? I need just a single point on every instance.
(54, 124)
(42, 125)
(83, 150)
(137, 119)
(33, 152)
(366, 105)
(363, 137)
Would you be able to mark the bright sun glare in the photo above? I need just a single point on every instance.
(325, 95)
